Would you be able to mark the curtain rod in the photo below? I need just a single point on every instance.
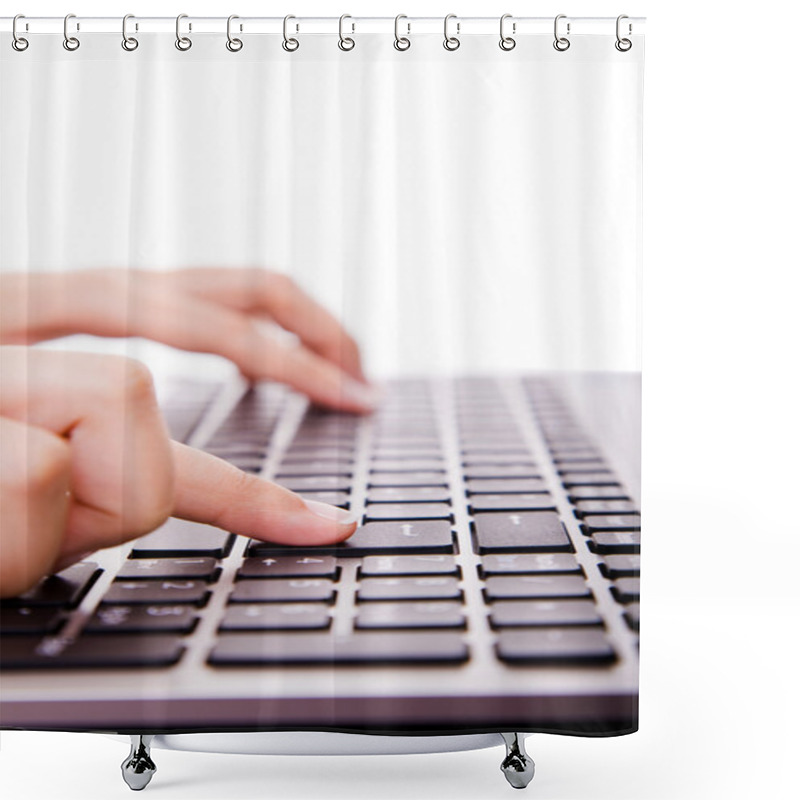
(328, 25)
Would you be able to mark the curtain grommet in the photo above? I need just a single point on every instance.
(451, 43)
(129, 43)
(233, 44)
(623, 44)
(561, 43)
(19, 43)
(346, 43)
(182, 43)
(401, 43)
(507, 43)
(71, 43)
(289, 44)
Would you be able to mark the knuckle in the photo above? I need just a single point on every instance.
(46, 463)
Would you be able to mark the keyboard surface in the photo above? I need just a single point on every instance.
(496, 540)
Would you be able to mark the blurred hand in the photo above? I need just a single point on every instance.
(220, 311)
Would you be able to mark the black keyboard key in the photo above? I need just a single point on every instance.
(338, 452)
(274, 617)
(559, 645)
(376, 566)
(543, 613)
(485, 471)
(522, 563)
(433, 587)
(63, 590)
(384, 511)
(313, 468)
(171, 592)
(340, 499)
(284, 590)
(616, 542)
(178, 537)
(624, 566)
(426, 536)
(363, 647)
(289, 567)
(406, 465)
(132, 650)
(590, 507)
(409, 494)
(511, 502)
(480, 449)
(504, 485)
(150, 568)
(613, 522)
(532, 530)
(482, 459)
(578, 493)
(437, 614)
(15, 621)
(407, 479)
(142, 619)
(632, 616)
(316, 483)
(626, 590)
(507, 587)
(594, 479)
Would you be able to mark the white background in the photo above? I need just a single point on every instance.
(719, 694)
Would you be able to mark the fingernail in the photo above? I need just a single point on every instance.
(339, 515)
(361, 394)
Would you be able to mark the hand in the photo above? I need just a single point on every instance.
(221, 311)
(86, 463)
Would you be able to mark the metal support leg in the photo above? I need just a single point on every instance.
(517, 766)
(138, 768)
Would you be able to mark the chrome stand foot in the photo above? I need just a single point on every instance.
(138, 768)
(517, 766)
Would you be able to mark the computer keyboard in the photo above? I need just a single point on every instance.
(489, 518)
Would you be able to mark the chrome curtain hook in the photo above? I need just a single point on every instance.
(561, 43)
(181, 42)
(129, 43)
(234, 45)
(506, 42)
(70, 42)
(450, 42)
(19, 43)
(346, 43)
(623, 45)
(290, 44)
(401, 43)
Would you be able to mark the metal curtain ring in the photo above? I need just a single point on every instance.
(401, 42)
(129, 43)
(289, 44)
(234, 45)
(181, 42)
(346, 43)
(506, 42)
(561, 43)
(450, 42)
(70, 42)
(19, 43)
(623, 45)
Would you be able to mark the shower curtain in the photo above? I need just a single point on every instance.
(463, 197)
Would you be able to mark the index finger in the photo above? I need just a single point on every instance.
(210, 490)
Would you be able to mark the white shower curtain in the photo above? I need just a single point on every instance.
(474, 211)
(466, 210)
